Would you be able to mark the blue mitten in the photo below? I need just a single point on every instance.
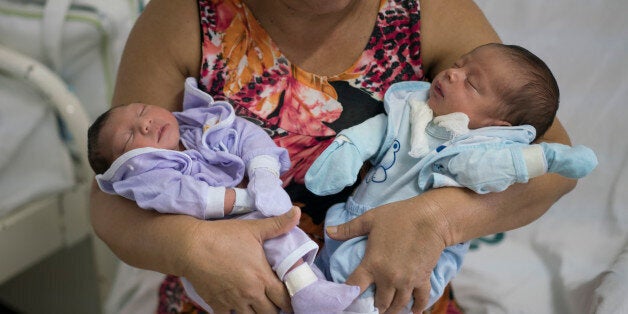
(268, 195)
(571, 162)
(338, 166)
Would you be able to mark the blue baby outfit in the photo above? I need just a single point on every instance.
(392, 178)
(485, 160)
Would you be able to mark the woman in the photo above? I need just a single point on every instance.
(317, 45)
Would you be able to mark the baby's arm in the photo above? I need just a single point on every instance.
(339, 164)
(265, 162)
(486, 169)
(171, 192)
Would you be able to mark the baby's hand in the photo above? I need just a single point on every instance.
(268, 195)
(571, 162)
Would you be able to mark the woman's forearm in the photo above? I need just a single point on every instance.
(465, 215)
(139, 237)
(207, 253)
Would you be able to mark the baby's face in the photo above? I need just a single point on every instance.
(140, 125)
(471, 86)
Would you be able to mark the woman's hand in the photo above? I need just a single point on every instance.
(404, 243)
(226, 264)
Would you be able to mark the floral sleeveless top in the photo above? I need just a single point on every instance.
(302, 111)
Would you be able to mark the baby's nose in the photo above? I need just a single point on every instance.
(146, 125)
(453, 75)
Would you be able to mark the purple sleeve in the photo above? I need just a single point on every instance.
(169, 191)
(254, 141)
(163, 180)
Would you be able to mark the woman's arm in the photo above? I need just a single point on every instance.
(224, 260)
(421, 227)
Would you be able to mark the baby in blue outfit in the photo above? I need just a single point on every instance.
(472, 127)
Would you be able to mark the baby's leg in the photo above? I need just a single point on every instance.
(291, 256)
(349, 254)
(312, 293)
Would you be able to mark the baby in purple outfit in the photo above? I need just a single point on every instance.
(191, 163)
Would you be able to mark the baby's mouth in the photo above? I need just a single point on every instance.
(438, 90)
(161, 132)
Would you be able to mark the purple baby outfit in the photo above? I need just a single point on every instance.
(219, 146)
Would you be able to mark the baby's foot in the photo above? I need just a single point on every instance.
(323, 297)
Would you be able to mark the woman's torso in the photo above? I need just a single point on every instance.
(303, 111)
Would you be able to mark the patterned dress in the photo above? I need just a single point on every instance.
(301, 111)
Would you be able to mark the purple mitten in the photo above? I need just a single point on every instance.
(269, 196)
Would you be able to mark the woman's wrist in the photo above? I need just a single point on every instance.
(429, 216)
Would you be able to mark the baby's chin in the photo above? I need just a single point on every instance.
(433, 104)
(430, 103)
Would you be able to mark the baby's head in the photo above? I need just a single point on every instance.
(126, 127)
(497, 84)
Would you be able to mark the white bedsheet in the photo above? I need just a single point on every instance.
(30, 141)
(33, 159)
(570, 260)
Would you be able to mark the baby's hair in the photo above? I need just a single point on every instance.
(97, 160)
(536, 101)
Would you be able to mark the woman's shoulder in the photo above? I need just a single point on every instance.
(162, 50)
(451, 28)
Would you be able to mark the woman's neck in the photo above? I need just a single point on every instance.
(321, 37)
